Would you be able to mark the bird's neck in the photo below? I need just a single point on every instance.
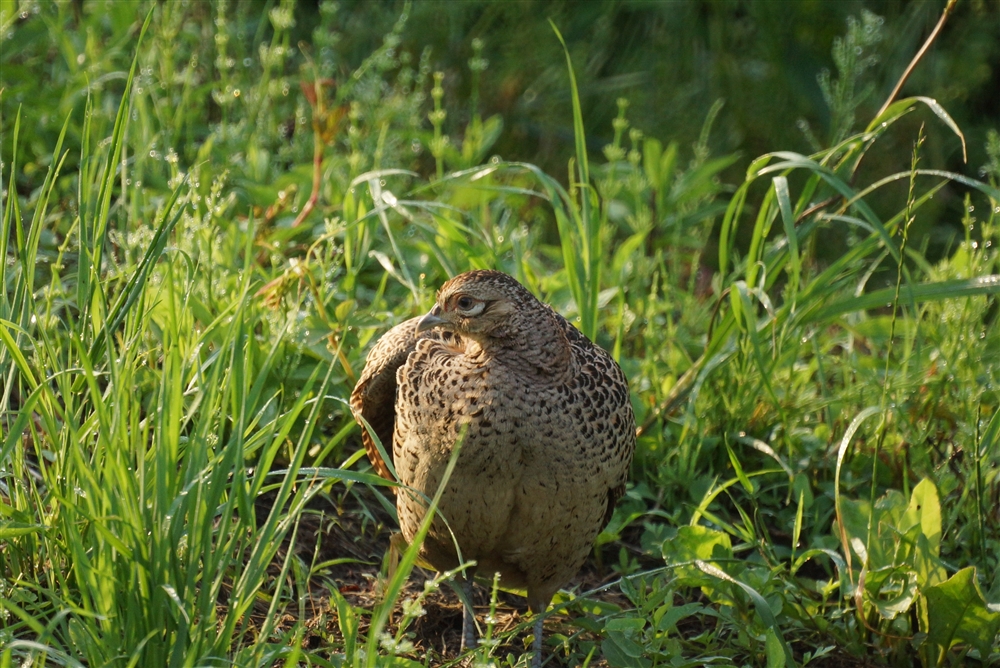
(539, 349)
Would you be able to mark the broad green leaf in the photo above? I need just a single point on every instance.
(927, 564)
(919, 527)
(675, 614)
(957, 613)
(696, 542)
(889, 530)
(344, 309)
(891, 590)
(624, 646)
(924, 510)
(618, 658)
(691, 544)
(775, 650)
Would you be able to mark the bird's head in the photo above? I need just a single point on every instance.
(480, 305)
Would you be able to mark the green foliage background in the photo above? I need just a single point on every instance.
(209, 217)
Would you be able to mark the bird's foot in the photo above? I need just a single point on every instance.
(468, 617)
(536, 660)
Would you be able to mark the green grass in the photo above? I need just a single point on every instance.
(201, 242)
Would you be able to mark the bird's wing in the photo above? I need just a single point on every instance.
(374, 397)
(614, 495)
(620, 434)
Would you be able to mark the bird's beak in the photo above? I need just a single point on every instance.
(432, 319)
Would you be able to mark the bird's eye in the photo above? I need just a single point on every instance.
(465, 303)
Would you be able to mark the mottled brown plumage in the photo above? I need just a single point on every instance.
(549, 431)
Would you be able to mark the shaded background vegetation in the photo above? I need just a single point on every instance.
(674, 60)
(197, 325)
(671, 60)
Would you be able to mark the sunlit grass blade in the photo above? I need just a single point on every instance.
(900, 107)
(918, 293)
(407, 562)
(845, 443)
(136, 283)
(788, 220)
(11, 222)
(583, 237)
(94, 227)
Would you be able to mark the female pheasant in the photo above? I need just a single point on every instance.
(548, 434)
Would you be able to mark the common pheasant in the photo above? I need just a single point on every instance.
(546, 429)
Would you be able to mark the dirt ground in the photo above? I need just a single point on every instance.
(351, 533)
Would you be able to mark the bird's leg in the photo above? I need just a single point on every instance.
(468, 615)
(536, 660)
